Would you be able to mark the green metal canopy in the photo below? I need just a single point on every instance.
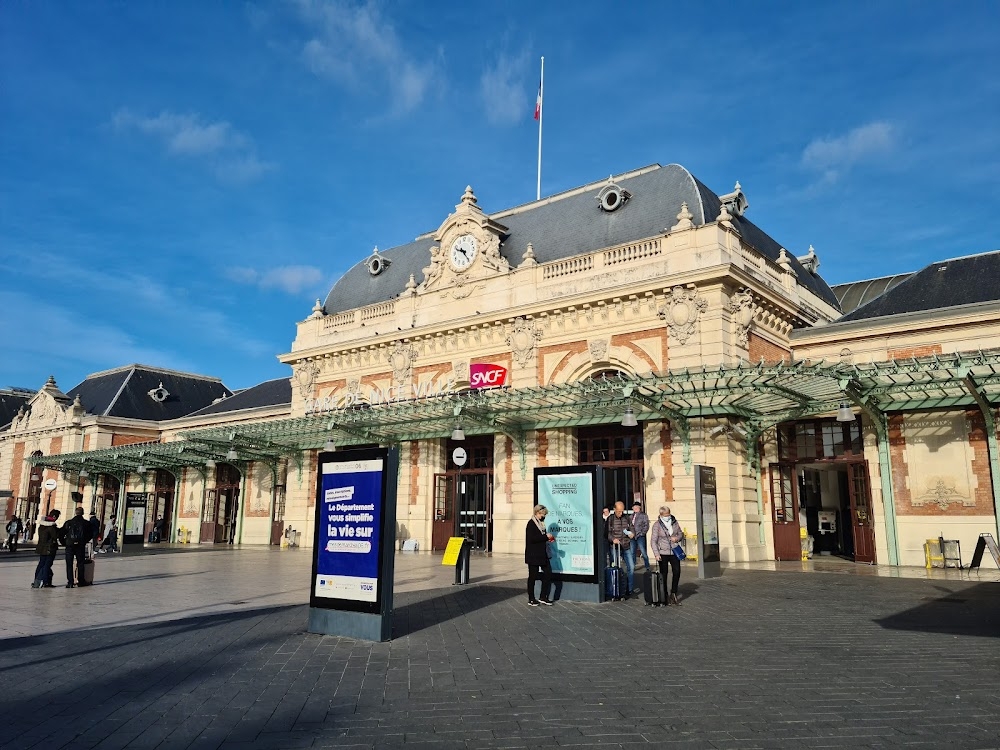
(761, 395)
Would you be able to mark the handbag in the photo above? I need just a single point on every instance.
(678, 552)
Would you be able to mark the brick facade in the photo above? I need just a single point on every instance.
(761, 349)
(915, 351)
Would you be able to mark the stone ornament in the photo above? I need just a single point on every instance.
(681, 311)
(683, 219)
(598, 350)
(523, 340)
(304, 374)
(742, 308)
(461, 370)
(942, 494)
(528, 259)
(401, 358)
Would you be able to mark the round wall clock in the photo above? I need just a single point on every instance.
(463, 252)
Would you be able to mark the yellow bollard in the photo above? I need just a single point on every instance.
(804, 542)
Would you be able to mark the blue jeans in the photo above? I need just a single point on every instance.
(43, 571)
(639, 547)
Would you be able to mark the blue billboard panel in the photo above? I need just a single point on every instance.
(349, 523)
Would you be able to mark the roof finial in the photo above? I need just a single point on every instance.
(785, 260)
(469, 198)
(375, 251)
(411, 286)
(51, 382)
(528, 259)
(317, 310)
(683, 219)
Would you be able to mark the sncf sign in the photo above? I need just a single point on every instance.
(486, 376)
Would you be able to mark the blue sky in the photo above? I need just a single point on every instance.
(180, 181)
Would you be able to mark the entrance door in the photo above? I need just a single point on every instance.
(785, 513)
(278, 517)
(475, 509)
(861, 512)
(226, 519)
(443, 525)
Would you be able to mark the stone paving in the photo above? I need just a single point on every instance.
(207, 649)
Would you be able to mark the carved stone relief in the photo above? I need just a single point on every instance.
(598, 350)
(681, 310)
(523, 340)
(461, 370)
(401, 358)
(304, 374)
(742, 308)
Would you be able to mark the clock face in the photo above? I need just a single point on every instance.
(463, 252)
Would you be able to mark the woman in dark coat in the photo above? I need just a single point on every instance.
(536, 555)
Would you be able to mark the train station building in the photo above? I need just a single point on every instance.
(642, 323)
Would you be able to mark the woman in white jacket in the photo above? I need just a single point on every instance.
(665, 533)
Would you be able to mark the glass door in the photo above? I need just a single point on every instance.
(785, 512)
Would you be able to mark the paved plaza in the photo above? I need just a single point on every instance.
(206, 648)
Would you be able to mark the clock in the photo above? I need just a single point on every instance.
(463, 252)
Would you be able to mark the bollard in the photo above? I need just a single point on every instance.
(462, 564)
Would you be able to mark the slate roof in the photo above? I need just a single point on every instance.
(854, 294)
(570, 224)
(948, 283)
(269, 393)
(124, 392)
(12, 399)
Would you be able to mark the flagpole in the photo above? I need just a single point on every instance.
(541, 106)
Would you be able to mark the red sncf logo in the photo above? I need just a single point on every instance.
(485, 376)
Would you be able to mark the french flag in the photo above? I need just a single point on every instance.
(538, 102)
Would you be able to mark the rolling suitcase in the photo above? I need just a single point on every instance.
(653, 588)
(614, 583)
(85, 575)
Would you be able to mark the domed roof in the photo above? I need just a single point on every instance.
(568, 224)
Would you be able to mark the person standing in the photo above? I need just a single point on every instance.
(95, 528)
(76, 532)
(667, 533)
(14, 529)
(536, 555)
(47, 547)
(621, 534)
(640, 523)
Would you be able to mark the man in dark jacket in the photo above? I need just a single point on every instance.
(620, 534)
(47, 547)
(75, 534)
(95, 528)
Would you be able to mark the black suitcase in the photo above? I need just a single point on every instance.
(654, 589)
(614, 580)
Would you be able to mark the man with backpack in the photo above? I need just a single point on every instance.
(14, 529)
(76, 532)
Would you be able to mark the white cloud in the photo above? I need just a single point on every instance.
(231, 155)
(291, 279)
(355, 47)
(62, 333)
(835, 155)
(503, 88)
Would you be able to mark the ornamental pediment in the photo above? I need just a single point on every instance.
(467, 246)
(48, 408)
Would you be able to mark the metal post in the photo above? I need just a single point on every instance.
(462, 564)
(989, 422)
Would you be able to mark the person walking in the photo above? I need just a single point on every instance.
(47, 547)
(536, 555)
(667, 533)
(110, 535)
(76, 532)
(14, 529)
(621, 534)
(640, 523)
